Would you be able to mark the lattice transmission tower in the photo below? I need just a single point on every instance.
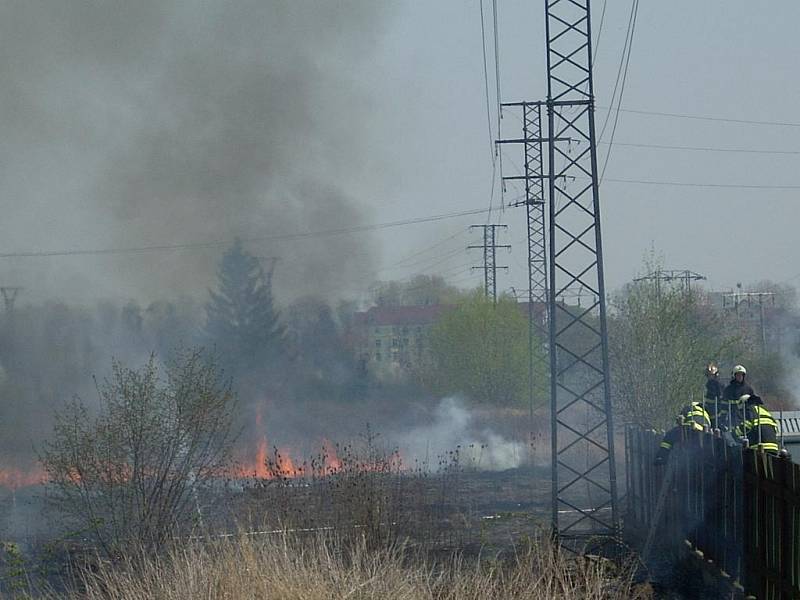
(584, 485)
(490, 265)
(533, 178)
(660, 276)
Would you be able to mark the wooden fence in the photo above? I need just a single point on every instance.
(737, 509)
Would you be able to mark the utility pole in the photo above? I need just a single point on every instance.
(272, 262)
(10, 294)
(490, 266)
(584, 478)
(732, 300)
(534, 202)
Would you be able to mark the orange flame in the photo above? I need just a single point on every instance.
(333, 463)
(15, 478)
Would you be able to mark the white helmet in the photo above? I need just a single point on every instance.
(744, 398)
(739, 369)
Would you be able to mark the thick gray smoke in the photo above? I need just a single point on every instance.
(127, 124)
(452, 427)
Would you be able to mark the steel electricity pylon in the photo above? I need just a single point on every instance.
(660, 276)
(490, 265)
(533, 178)
(584, 480)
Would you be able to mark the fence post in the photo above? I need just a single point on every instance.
(786, 524)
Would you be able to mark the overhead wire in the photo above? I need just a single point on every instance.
(707, 118)
(599, 31)
(619, 70)
(496, 31)
(704, 148)
(430, 261)
(492, 149)
(217, 243)
(429, 248)
(707, 185)
(635, 12)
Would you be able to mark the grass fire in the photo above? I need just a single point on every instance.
(306, 299)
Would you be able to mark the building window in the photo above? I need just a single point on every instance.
(395, 343)
(378, 357)
(377, 343)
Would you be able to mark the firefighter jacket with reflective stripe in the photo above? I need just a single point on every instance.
(760, 429)
(693, 417)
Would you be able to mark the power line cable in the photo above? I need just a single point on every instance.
(706, 118)
(599, 31)
(621, 90)
(704, 148)
(707, 185)
(273, 237)
(492, 148)
(619, 70)
(496, 31)
(428, 249)
(430, 261)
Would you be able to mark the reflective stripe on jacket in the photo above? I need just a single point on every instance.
(760, 429)
(695, 416)
(692, 417)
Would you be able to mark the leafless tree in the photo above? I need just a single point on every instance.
(128, 474)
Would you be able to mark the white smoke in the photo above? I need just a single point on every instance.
(453, 429)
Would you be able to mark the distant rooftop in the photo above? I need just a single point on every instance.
(402, 315)
(419, 315)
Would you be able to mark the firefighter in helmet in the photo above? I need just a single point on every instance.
(693, 417)
(730, 410)
(713, 390)
(759, 427)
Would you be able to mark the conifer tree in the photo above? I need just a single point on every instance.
(242, 322)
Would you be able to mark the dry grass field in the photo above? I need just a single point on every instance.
(321, 567)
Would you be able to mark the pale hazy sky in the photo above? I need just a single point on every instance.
(733, 60)
(379, 106)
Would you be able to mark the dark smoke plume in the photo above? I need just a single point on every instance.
(126, 124)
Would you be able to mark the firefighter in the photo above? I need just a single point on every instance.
(759, 427)
(713, 390)
(730, 409)
(693, 417)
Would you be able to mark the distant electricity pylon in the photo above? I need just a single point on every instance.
(584, 478)
(10, 294)
(534, 199)
(733, 300)
(490, 265)
(660, 276)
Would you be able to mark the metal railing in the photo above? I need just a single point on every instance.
(736, 509)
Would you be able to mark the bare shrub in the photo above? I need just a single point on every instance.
(129, 475)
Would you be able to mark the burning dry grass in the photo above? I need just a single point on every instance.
(282, 566)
